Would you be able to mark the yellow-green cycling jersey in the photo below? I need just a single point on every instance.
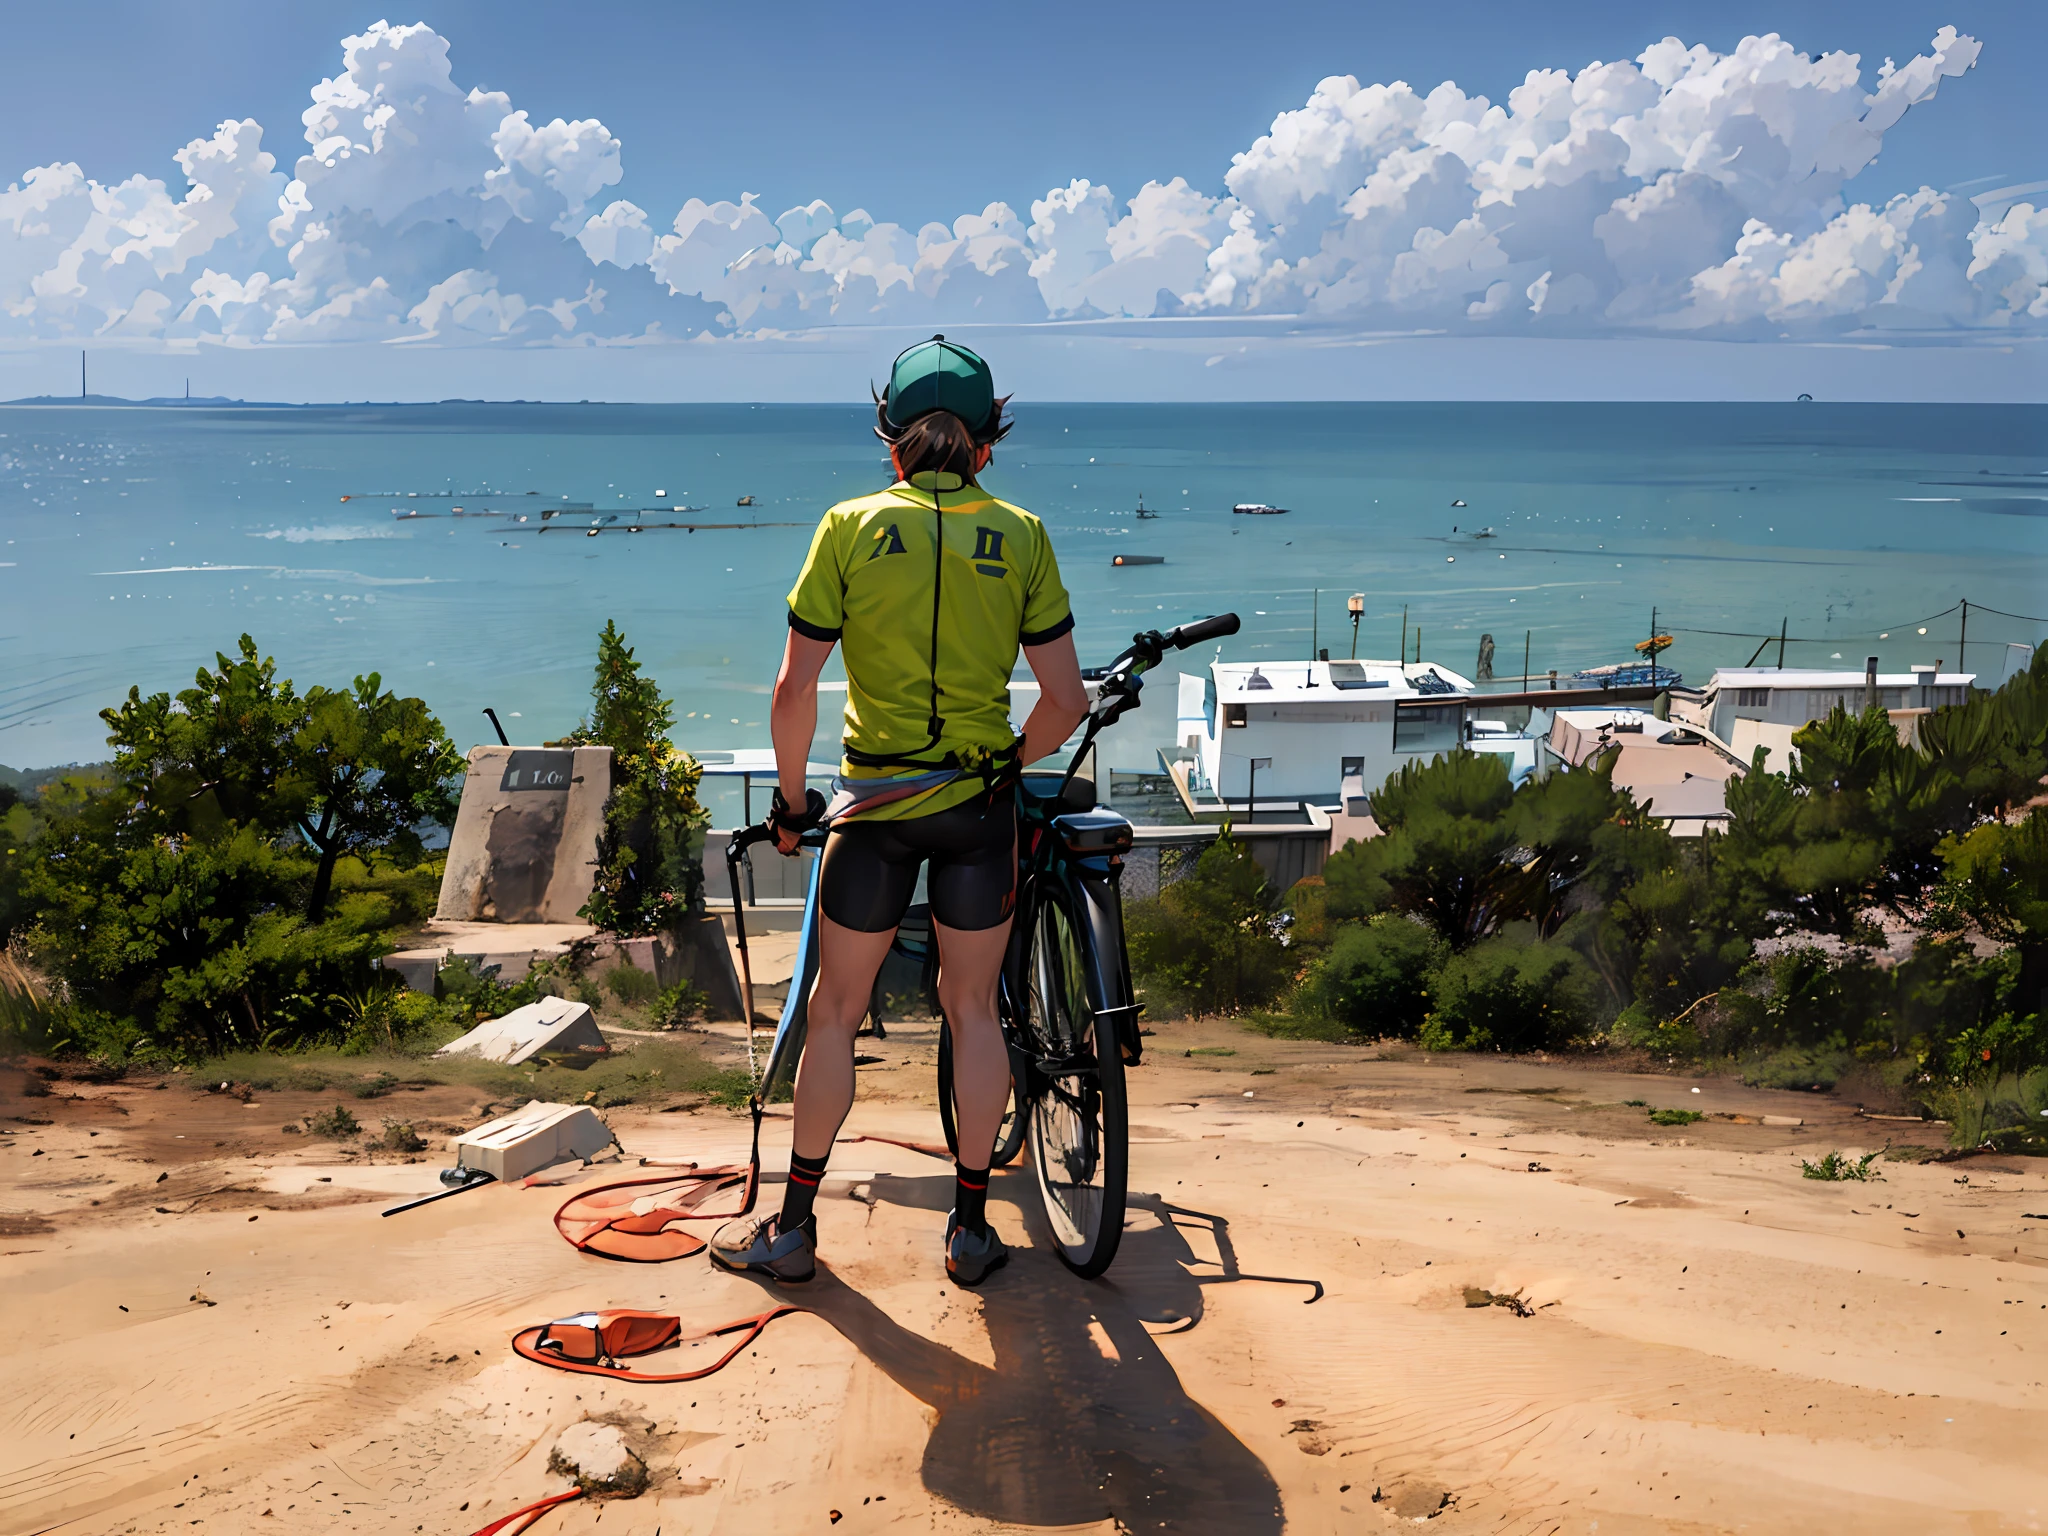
(928, 633)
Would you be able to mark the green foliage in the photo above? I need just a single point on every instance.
(1675, 1116)
(1444, 854)
(366, 768)
(677, 1005)
(1375, 977)
(1835, 1168)
(228, 880)
(1208, 941)
(399, 1136)
(336, 1124)
(631, 985)
(1466, 853)
(650, 872)
(1507, 995)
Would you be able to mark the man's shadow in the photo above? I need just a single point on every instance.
(1081, 1417)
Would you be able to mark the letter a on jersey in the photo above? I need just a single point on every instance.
(893, 547)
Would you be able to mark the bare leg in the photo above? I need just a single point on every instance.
(970, 962)
(847, 962)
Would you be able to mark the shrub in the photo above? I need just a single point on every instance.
(337, 1124)
(1375, 977)
(399, 1136)
(1508, 996)
(1675, 1117)
(631, 985)
(1208, 941)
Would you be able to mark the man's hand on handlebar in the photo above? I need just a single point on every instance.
(787, 827)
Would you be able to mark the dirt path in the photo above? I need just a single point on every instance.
(1713, 1342)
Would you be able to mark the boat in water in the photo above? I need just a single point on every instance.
(1138, 560)
(1258, 509)
(1628, 674)
(1144, 513)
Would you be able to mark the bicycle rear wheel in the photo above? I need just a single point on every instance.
(1076, 1112)
(1009, 1135)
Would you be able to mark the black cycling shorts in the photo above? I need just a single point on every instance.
(870, 868)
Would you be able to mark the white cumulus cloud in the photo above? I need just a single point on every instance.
(1682, 190)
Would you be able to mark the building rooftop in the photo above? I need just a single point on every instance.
(1271, 682)
(1815, 677)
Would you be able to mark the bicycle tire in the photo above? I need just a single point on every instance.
(1009, 1135)
(1078, 1125)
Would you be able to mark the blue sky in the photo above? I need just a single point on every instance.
(919, 116)
(713, 100)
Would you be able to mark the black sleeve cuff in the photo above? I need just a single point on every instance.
(812, 631)
(1042, 636)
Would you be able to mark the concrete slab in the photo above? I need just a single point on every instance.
(524, 848)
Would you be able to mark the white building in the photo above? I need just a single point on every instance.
(1751, 707)
(1317, 729)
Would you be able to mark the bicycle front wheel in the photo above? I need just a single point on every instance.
(1076, 1118)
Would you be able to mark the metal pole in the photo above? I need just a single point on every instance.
(1963, 643)
(1525, 656)
(1418, 645)
(1783, 623)
(1315, 614)
(1251, 798)
(1404, 634)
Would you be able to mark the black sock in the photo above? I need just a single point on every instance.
(970, 1197)
(802, 1192)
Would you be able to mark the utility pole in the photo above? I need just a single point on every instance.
(81, 373)
(1525, 657)
(1356, 603)
(1783, 624)
(1315, 615)
(1963, 643)
(1418, 645)
(1404, 634)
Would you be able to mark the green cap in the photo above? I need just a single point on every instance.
(941, 375)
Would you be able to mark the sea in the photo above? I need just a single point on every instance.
(138, 541)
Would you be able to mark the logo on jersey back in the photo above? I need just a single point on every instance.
(894, 546)
(988, 545)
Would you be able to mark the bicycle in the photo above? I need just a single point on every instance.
(1064, 998)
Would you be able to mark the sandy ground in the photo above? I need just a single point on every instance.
(1716, 1344)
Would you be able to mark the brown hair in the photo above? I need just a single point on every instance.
(939, 440)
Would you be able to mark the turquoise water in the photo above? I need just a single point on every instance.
(138, 541)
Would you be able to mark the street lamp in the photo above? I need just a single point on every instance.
(1356, 604)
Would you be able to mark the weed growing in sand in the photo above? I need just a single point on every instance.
(1212, 1050)
(1280, 1026)
(375, 1087)
(676, 1006)
(1836, 1168)
(399, 1136)
(1675, 1116)
(1637, 1103)
(337, 1124)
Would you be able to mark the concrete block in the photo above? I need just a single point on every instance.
(524, 848)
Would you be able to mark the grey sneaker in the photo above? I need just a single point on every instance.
(758, 1246)
(971, 1257)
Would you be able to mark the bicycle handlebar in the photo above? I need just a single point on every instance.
(1212, 628)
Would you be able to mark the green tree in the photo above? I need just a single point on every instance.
(650, 872)
(215, 754)
(1445, 853)
(1564, 825)
(366, 769)
(1995, 876)
(1208, 940)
